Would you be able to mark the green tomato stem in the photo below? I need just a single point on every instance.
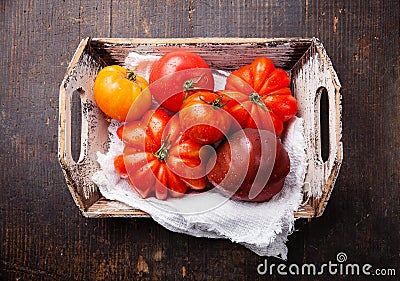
(131, 76)
(162, 152)
(256, 98)
(217, 103)
(188, 85)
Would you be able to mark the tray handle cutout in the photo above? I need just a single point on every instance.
(322, 126)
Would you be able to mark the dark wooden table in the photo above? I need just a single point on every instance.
(46, 238)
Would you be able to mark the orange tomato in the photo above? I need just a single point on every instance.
(121, 94)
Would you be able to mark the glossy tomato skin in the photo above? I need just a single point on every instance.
(264, 94)
(147, 133)
(119, 166)
(205, 117)
(159, 160)
(258, 114)
(173, 72)
(231, 170)
(121, 94)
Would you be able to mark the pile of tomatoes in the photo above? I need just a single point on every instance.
(180, 134)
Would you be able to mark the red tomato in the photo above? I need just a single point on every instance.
(178, 74)
(161, 161)
(240, 160)
(203, 117)
(264, 95)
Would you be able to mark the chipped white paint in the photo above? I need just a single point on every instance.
(313, 73)
(80, 78)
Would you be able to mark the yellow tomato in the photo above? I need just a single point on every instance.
(121, 94)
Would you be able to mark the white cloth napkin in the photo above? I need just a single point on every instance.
(261, 227)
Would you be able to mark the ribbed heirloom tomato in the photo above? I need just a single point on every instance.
(176, 75)
(260, 94)
(121, 94)
(158, 159)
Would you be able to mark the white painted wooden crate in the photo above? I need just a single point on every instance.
(306, 61)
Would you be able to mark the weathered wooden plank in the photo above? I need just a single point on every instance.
(366, 59)
(227, 53)
(45, 237)
(147, 19)
(38, 39)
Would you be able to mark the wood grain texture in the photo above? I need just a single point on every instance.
(46, 238)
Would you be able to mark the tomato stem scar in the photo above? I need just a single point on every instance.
(131, 76)
(188, 85)
(216, 104)
(256, 98)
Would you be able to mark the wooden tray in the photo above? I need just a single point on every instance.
(306, 61)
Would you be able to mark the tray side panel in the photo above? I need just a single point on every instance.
(312, 73)
(219, 53)
(104, 208)
(94, 137)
